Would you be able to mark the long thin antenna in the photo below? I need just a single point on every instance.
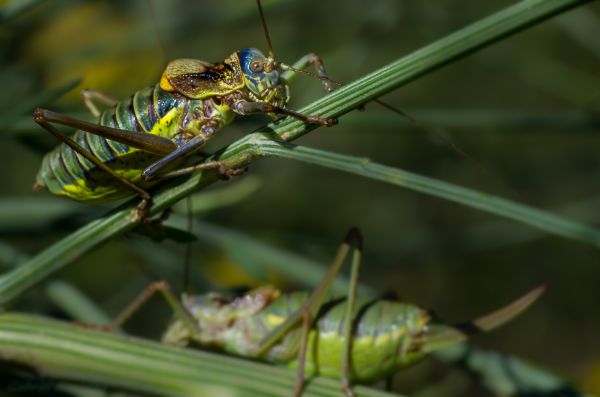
(457, 149)
(159, 37)
(185, 284)
(266, 30)
(430, 131)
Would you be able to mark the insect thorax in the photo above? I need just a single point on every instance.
(235, 325)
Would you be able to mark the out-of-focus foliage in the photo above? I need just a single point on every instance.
(527, 108)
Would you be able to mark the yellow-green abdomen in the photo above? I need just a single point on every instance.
(386, 338)
(65, 172)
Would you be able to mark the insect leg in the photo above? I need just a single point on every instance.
(309, 59)
(349, 318)
(90, 95)
(307, 313)
(315, 300)
(162, 287)
(40, 117)
(155, 171)
(245, 107)
(147, 142)
(306, 326)
(225, 171)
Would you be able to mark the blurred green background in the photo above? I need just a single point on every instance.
(527, 108)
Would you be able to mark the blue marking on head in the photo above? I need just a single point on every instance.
(257, 82)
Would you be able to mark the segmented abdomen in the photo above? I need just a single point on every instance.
(385, 336)
(65, 172)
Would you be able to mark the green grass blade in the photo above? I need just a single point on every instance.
(29, 213)
(75, 303)
(507, 375)
(15, 8)
(463, 42)
(60, 350)
(540, 219)
(471, 120)
(10, 256)
(230, 195)
(16, 112)
(241, 153)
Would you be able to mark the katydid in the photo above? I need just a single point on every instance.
(317, 333)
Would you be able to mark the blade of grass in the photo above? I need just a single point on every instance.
(473, 119)
(15, 8)
(10, 256)
(75, 303)
(30, 213)
(60, 350)
(16, 112)
(542, 220)
(241, 153)
(211, 200)
(507, 375)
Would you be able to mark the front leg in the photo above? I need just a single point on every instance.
(89, 96)
(156, 169)
(244, 107)
(309, 59)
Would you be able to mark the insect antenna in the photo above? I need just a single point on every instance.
(431, 132)
(159, 37)
(265, 29)
(187, 266)
(457, 149)
(185, 282)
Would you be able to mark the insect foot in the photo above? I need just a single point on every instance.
(140, 213)
(227, 172)
(327, 122)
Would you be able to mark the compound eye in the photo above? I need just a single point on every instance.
(257, 66)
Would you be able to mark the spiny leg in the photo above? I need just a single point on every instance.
(90, 95)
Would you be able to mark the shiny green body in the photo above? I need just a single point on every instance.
(149, 111)
(193, 101)
(387, 335)
(347, 337)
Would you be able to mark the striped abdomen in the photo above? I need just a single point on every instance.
(150, 110)
(387, 335)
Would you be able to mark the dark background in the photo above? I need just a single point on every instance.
(527, 108)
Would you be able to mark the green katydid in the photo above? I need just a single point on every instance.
(317, 333)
